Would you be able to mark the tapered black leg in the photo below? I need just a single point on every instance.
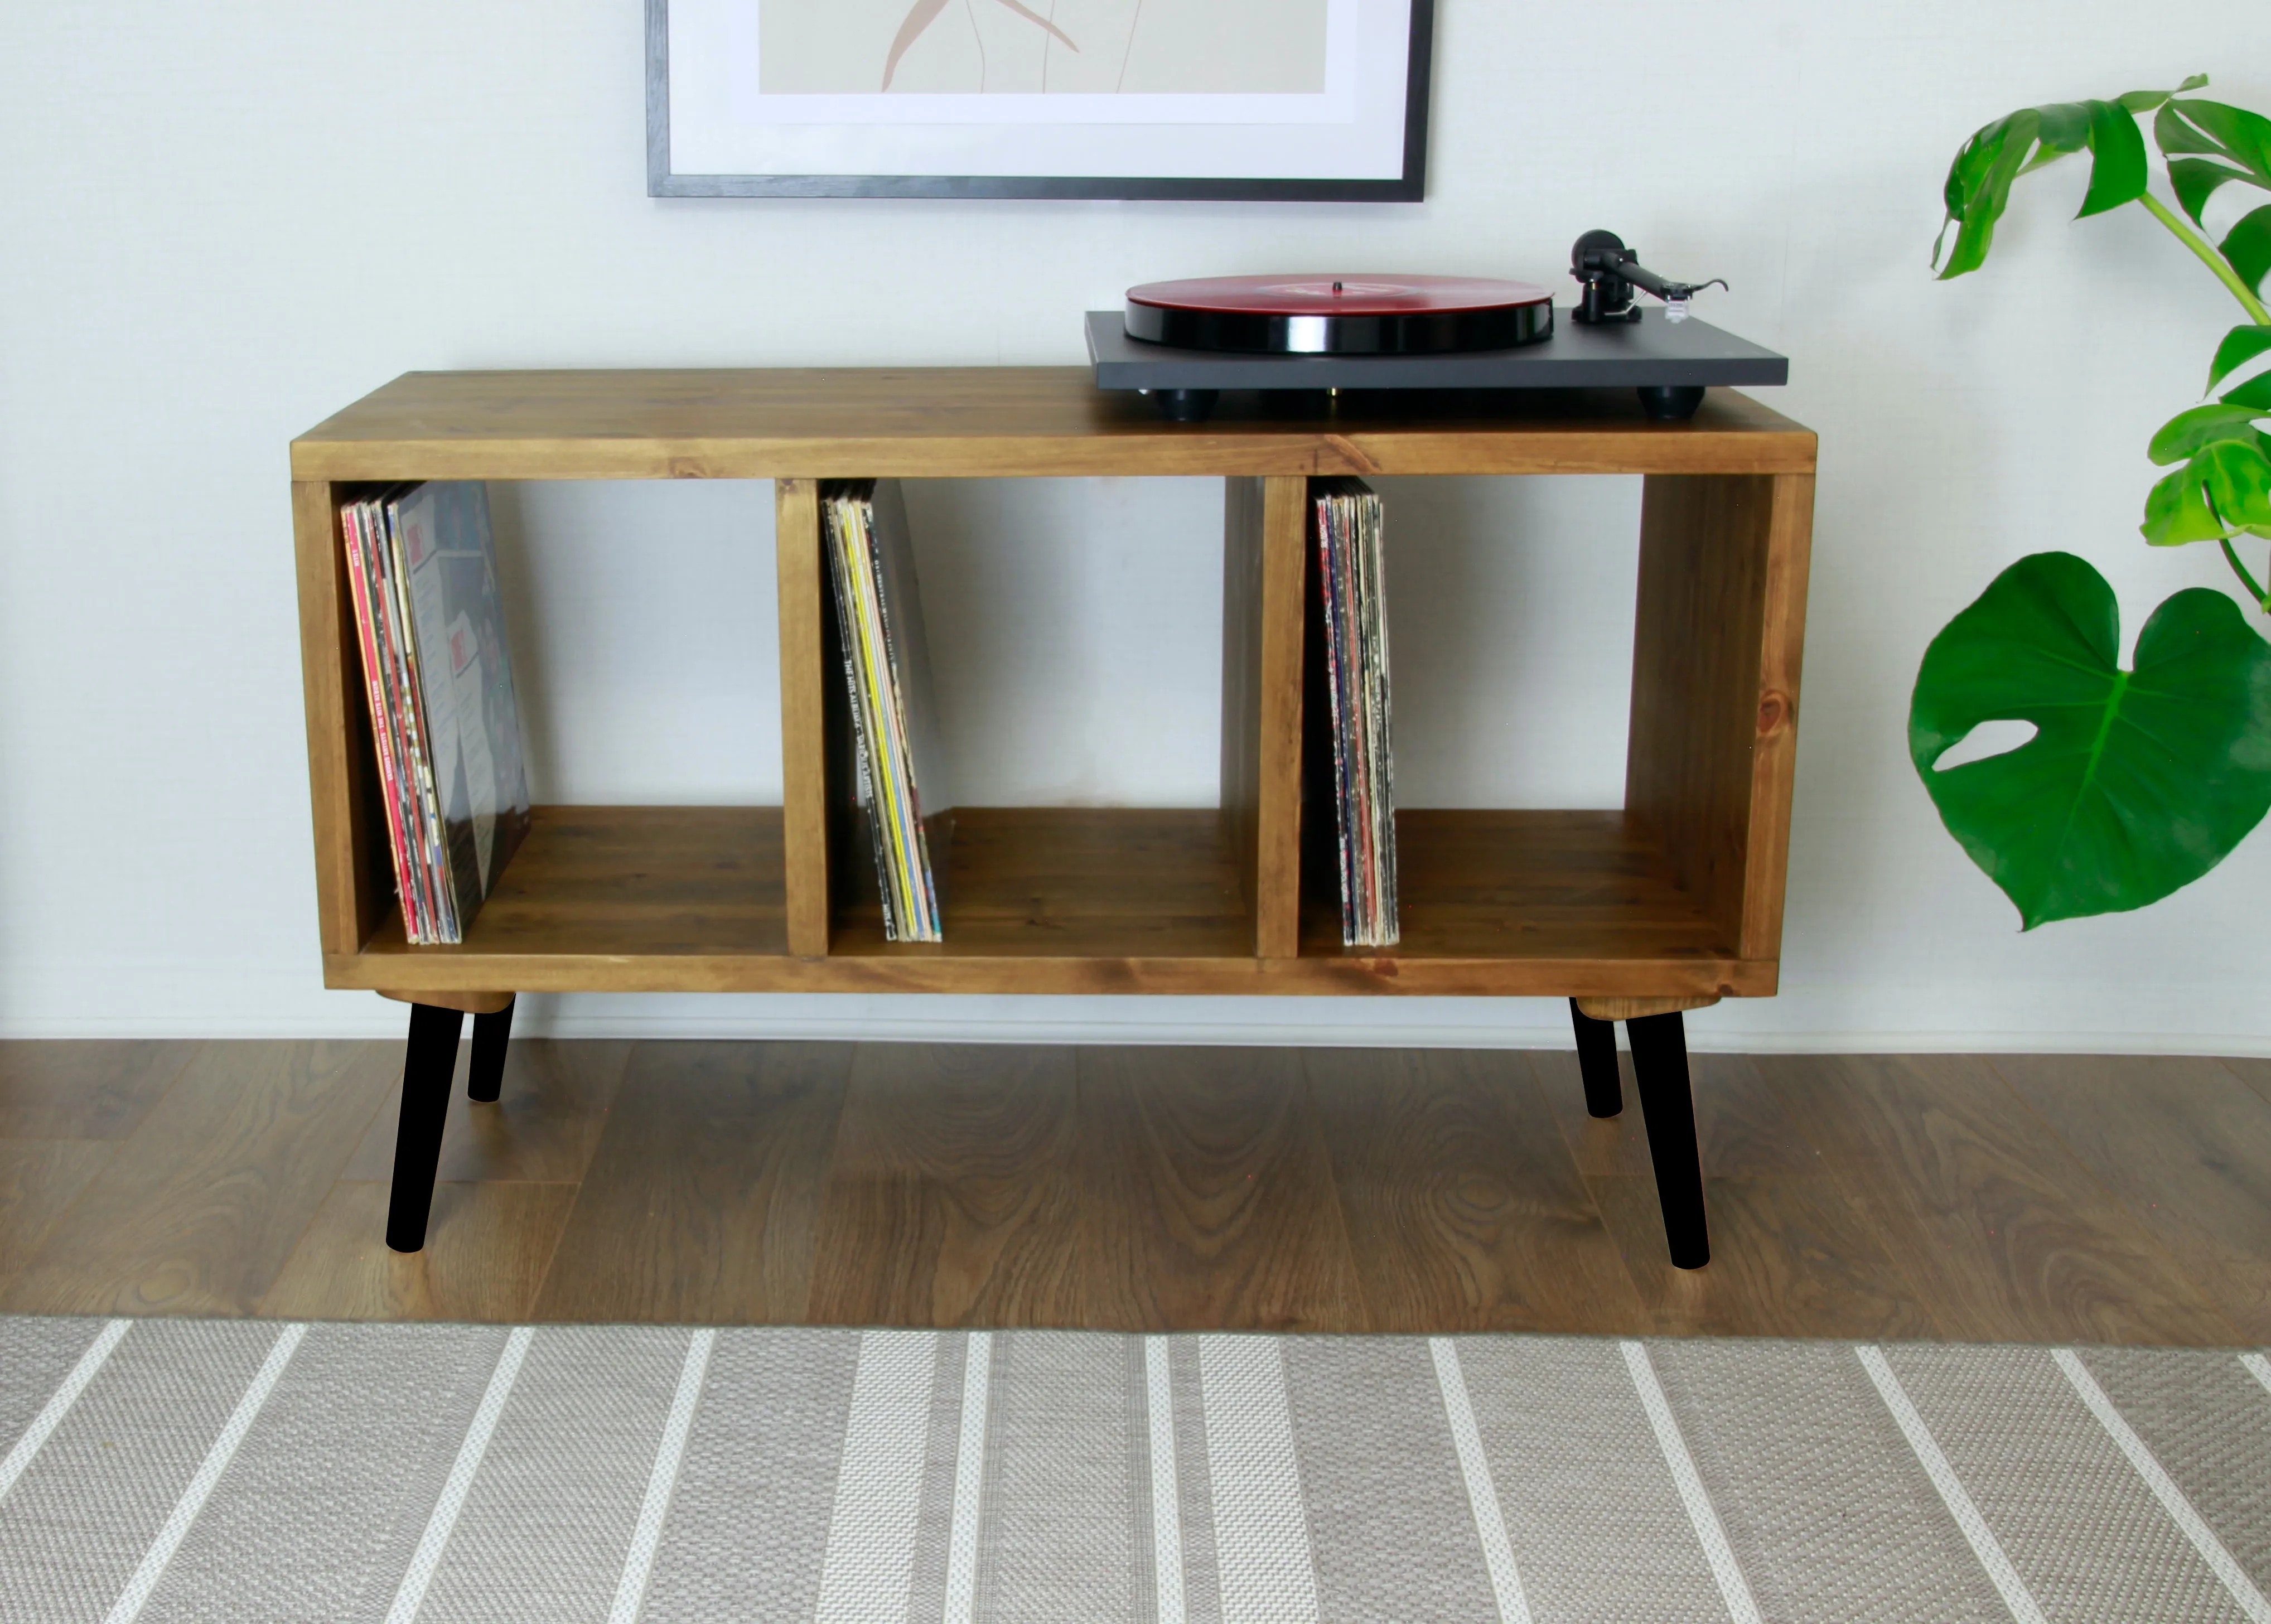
(485, 1077)
(426, 1073)
(1660, 1052)
(1597, 1061)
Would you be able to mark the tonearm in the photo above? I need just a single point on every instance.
(1609, 272)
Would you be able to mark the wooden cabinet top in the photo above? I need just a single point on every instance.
(990, 422)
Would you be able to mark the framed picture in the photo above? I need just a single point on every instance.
(1230, 100)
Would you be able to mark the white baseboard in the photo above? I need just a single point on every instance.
(1540, 1024)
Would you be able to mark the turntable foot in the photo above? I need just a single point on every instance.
(1670, 403)
(1194, 405)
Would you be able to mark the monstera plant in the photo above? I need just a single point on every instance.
(2137, 781)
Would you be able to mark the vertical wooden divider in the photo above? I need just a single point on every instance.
(1265, 529)
(1717, 648)
(804, 738)
(1782, 657)
(353, 891)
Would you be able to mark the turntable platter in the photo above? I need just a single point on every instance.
(1346, 314)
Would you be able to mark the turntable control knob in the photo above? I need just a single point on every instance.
(1336, 287)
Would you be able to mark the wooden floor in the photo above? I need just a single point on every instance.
(2039, 1199)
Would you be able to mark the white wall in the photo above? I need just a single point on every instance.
(219, 223)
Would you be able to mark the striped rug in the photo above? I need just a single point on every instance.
(183, 1470)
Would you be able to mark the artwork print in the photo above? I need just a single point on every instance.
(1042, 47)
(1227, 99)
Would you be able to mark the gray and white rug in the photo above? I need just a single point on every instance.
(181, 1469)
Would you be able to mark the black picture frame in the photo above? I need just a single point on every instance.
(1408, 187)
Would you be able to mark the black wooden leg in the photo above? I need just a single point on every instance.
(426, 1073)
(1597, 1061)
(485, 1078)
(1660, 1052)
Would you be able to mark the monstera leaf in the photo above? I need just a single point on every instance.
(2223, 488)
(2136, 782)
(2222, 144)
(1979, 181)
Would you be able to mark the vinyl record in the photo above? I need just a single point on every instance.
(1347, 314)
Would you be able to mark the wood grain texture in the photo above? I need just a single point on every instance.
(83, 1088)
(353, 890)
(207, 1196)
(700, 1203)
(542, 1128)
(1210, 1194)
(2002, 1233)
(464, 1003)
(595, 886)
(1682, 900)
(2255, 1073)
(1530, 885)
(1264, 540)
(1717, 652)
(1278, 869)
(986, 422)
(1464, 1209)
(952, 1195)
(1638, 1009)
(1742, 1129)
(39, 1180)
(1696, 701)
(1049, 899)
(1241, 686)
(1774, 760)
(1388, 1190)
(1075, 881)
(2186, 1146)
(804, 722)
(1790, 1257)
(486, 1248)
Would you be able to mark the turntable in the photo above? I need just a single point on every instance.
(1184, 343)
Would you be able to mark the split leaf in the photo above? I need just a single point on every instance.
(2137, 782)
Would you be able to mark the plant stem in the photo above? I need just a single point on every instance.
(2231, 557)
(2214, 261)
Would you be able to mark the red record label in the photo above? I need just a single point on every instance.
(1341, 295)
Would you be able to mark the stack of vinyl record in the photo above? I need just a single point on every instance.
(899, 781)
(421, 567)
(1351, 604)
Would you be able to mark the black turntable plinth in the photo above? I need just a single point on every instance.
(1671, 362)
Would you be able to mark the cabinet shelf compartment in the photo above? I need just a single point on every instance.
(1075, 881)
(1529, 885)
(1679, 895)
(594, 890)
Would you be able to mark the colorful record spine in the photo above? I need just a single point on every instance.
(1353, 594)
(440, 893)
(399, 842)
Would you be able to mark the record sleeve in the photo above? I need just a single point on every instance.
(462, 683)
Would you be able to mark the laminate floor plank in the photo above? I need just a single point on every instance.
(486, 1248)
(83, 1089)
(2002, 1233)
(2187, 1145)
(1464, 1208)
(1741, 1125)
(38, 1180)
(206, 1198)
(699, 1202)
(1212, 1204)
(953, 1198)
(2255, 1073)
(2116, 1200)
(1790, 1256)
(542, 1128)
